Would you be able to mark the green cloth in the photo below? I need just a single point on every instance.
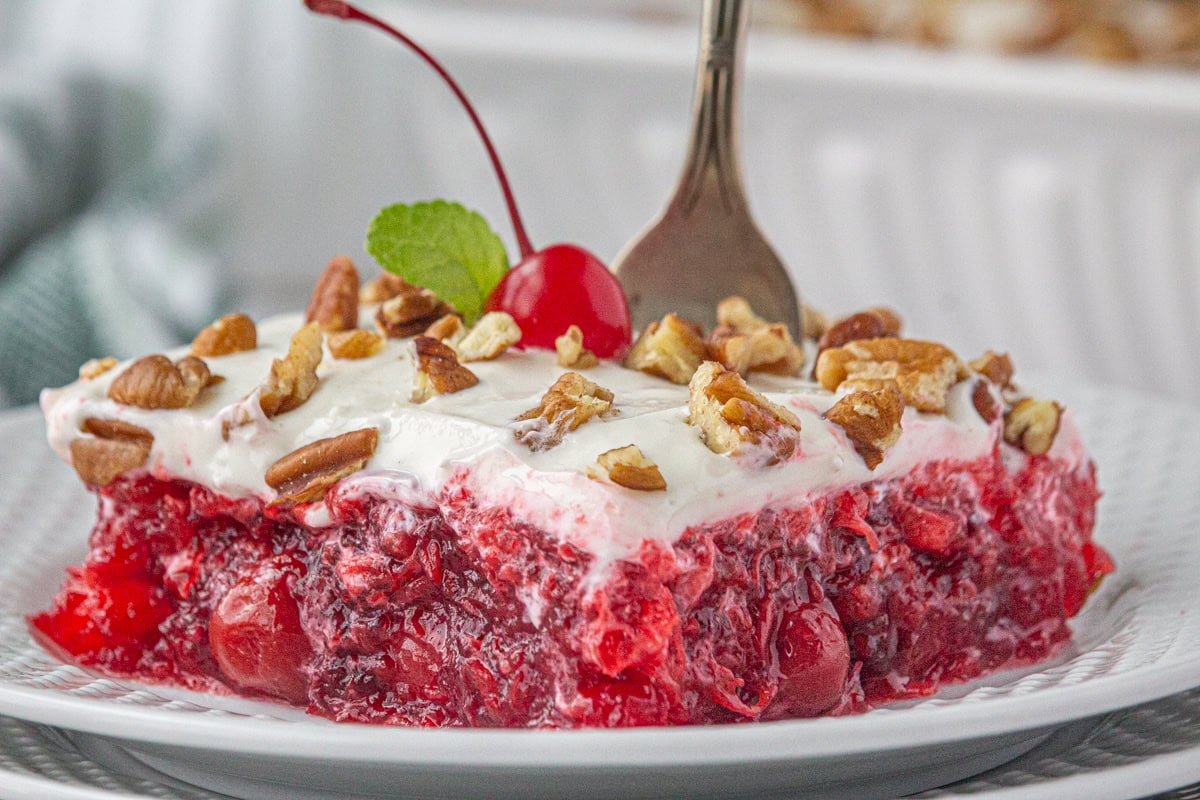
(109, 226)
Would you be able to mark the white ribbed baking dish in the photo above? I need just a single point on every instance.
(1046, 207)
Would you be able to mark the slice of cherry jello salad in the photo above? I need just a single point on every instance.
(384, 515)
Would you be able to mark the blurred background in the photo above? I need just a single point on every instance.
(1021, 175)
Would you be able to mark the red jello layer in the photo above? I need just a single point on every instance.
(457, 614)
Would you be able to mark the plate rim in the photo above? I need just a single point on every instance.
(648, 747)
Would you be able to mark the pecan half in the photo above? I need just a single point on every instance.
(570, 401)
(232, 333)
(90, 370)
(334, 303)
(871, 421)
(745, 342)
(873, 323)
(494, 333)
(293, 378)
(409, 312)
(734, 419)
(354, 344)
(628, 466)
(153, 382)
(437, 370)
(571, 352)
(922, 371)
(305, 474)
(116, 429)
(672, 348)
(1032, 425)
(115, 447)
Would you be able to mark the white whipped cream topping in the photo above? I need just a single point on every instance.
(422, 445)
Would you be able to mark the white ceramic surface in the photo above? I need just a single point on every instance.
(1137, 640)
(1130, 753)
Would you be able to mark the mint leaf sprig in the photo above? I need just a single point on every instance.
(443, 247)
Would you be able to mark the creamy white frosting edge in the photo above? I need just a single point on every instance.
(470, 432)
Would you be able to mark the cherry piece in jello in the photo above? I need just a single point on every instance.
(814, 659)
(550, 289)
(256, 636)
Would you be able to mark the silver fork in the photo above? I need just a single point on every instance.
(705, 246)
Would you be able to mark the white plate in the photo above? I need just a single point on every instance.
(1137, 640)
(1130, 753)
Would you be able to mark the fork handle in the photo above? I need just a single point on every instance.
(712, 159)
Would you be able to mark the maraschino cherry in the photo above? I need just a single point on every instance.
(550, 289)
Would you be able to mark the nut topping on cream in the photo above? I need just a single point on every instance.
(571, 352)
(438, 370)
(232, 333)
(922, 371)
(154, 382)
(570, 402)
(628, 466)
(745, 342)
(494, 333)
(540, 464)
(305, 474)
(1032, 425)
(334, 303)
(732, 417)
(871, 419)
(672, 348)
(293, 378)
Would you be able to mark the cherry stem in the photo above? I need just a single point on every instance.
(343, 10)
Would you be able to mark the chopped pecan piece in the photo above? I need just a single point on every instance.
(334, 303)
(383, 286)
(874, 323)
(871, 421)
(672, 348)
(115, 447)
(305, 474)
(736, 314)
(153, 382)
(571, 352)
(437, 370)
(814, 321)
(494, 333)
(196, 376)
(354, 344)
(410, 312)
(985, 402)
(571, 401)
(628, 466)
(733, 418)
(1032, 425)
(745, 342)
(996, 367)
(293, 378)
(922, 371)
(232, 333)
(448, 330)
(90, 370)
